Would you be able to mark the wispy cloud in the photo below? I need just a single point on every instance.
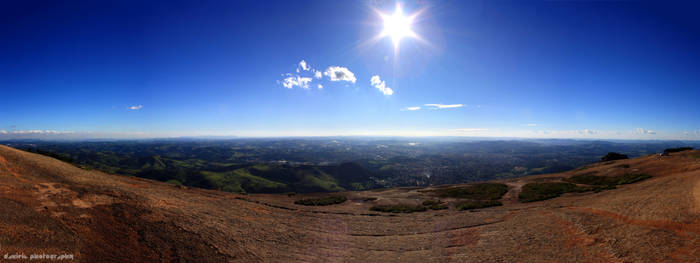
(433, 106)
(531, 124)
(443, 106)
(644, 131)
(471, 130)
(336, 73)
(136, 107)
(320, 86)
(36, 132)
(380, 85)
(318, 74)
(411, 108)
(291, 82)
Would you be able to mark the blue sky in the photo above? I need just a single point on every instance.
(572, 69)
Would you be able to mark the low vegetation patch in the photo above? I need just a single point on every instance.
(401, 208)
(434, 204)
(483, 191)
(612, 156)
(632, 178)
(607, 181)
(679, 149)
(438, 207)
(173, 181)
(430, 202)
(542, 191)
(51, 154)
(592, 183)
(331, 200)
(476, 204)
(369, 199)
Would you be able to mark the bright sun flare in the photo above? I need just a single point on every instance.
(397, 25)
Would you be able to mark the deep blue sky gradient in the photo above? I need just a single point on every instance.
(622, 69)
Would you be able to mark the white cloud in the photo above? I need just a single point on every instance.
(471, 130)
(320, 86)
(337, 73)
(433, 106)
(381, 85)
(290, 82)
(444, 106)
(587, 131)
(531, 124)
(303, 66)
(136, 107)
(644, 131)
(37, 132)
(411, 108)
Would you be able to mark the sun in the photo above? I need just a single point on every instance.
(397, 26)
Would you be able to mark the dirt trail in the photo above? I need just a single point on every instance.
(514, 188)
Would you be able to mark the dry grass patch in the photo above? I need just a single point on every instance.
(482, 191)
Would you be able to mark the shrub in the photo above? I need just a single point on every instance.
(331, 200)
(475, 204)
(612, 156)
(482, 191)
(400, 208)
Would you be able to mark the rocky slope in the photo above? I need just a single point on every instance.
(53, 208)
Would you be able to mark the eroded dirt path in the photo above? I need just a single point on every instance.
(514, 188)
